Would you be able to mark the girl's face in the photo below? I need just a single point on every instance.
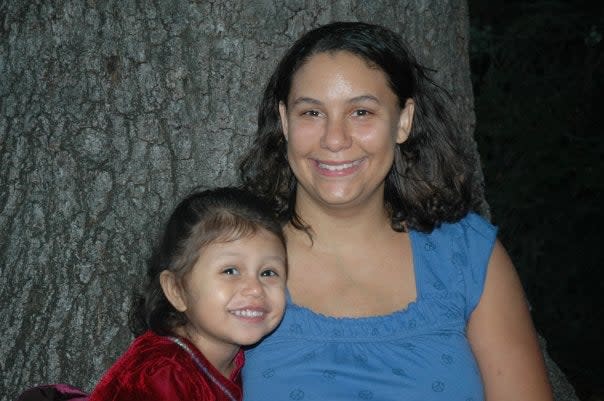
(342, 123)
(235, 293)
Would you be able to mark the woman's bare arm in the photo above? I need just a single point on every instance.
(503, 337)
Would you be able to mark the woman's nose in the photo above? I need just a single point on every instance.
(336, 136)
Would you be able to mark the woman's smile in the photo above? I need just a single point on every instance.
(338, 169)
(342, 123)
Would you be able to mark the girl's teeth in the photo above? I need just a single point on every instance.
(339, 167)
(248, 313)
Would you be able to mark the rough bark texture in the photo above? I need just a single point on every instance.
(110, 110)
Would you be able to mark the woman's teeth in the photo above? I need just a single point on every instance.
(339, 167)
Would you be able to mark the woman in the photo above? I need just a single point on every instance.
(397, 290)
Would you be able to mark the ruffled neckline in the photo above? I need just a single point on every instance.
(427, 311)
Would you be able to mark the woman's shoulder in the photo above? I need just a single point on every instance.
(458, 254)
(471, 230)
(478, 225)
(472, 224)
(472, 236)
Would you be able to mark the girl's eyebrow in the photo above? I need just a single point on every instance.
(243, 254)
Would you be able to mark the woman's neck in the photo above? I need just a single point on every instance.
(342, 226)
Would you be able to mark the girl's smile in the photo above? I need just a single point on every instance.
(234, 295)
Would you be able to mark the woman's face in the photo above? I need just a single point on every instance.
(342, 123)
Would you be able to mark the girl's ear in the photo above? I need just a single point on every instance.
(405, 121)
(172, 290)
(283, 117)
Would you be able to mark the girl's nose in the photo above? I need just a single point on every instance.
(336, 136)
(252, 287)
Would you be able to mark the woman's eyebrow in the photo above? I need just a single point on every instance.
(304, 99)
(310, 100)
(364, 98)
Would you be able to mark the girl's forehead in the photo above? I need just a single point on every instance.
(253, 250)
(233, 236)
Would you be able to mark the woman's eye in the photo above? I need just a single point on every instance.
(361, 112)
(230, 271)
(311, 113)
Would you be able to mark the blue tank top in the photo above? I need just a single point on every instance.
(419, 353)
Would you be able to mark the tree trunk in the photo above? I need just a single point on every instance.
(110, 111)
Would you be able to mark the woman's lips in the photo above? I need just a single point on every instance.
(330, 168)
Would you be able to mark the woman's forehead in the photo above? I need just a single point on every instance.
(341, 75)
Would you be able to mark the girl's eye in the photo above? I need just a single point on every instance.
(269, 273)
(230, 271)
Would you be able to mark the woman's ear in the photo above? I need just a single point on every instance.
(405, 121)
(172, 290)
(283, 117)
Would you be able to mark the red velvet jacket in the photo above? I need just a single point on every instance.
(155, 368)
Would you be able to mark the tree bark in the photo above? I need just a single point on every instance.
(110, 111)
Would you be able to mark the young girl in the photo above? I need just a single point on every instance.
(216, 282)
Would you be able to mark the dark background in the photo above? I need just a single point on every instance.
(538, 78)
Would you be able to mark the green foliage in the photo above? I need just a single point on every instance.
(538, 75)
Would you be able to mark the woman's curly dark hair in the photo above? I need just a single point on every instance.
(430, 181)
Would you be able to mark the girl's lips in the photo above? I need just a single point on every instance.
(336, 169)
(250, 314)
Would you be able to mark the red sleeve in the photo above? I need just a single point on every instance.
(162, 380)
(172, 382)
